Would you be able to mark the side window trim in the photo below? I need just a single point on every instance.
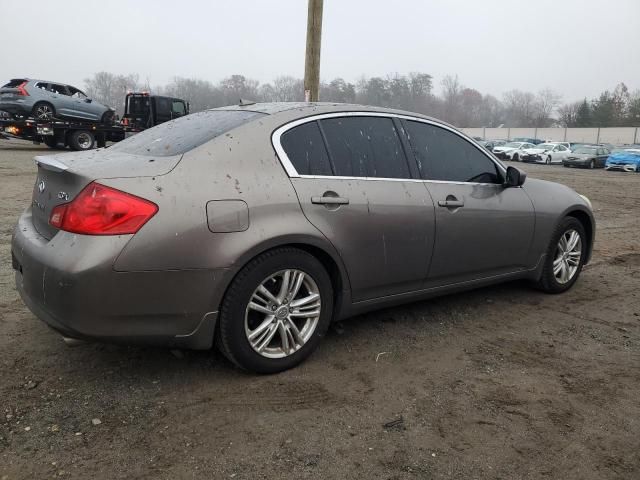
(293, 173)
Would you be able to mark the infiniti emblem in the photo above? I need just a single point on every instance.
(41, 186)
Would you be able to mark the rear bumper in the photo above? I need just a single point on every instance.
(69, 283)
(21, 106)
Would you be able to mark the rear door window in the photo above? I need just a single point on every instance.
(185, 133)
(365, 147)
(306, 150)
(446, 156)
(59, 89)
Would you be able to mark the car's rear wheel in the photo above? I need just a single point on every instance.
(565, 257)
(275, 311)
(43, 111)
(81, 140)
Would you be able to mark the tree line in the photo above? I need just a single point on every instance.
(457, 104)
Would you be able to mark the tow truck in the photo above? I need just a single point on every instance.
(142, 111)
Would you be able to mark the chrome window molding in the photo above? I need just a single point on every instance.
(293, 173)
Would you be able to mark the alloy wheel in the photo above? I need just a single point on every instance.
(44, 112)
(567, 257)
(283, 313)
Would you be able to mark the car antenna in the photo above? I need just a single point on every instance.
(244, 103)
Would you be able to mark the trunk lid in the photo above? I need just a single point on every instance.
(61, 177)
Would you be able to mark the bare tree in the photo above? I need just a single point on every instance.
(111, 89)
(546, 103)
(568, 114)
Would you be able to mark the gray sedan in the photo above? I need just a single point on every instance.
(255, 226)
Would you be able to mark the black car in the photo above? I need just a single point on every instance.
(587, 156)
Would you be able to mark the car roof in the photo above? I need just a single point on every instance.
(317, 108)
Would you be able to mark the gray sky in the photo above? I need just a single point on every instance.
(576, 47)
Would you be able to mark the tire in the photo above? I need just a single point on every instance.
(43, 111)
(592, 164)
(237, 321)
(108, 117)
(515, 157)
(548, 161)
(549, 281)
(80, 140)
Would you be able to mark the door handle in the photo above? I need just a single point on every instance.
(330, 200)
(451, 203)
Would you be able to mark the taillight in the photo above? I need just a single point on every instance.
(21, 90)
(101, 210)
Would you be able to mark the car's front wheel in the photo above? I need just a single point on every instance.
(275, 311)
(515, 157)
(565, 257)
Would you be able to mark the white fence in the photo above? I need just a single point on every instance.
(614, 135)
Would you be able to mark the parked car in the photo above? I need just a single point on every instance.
(587, 156)
(256, 226)
(545, 153)
(44, 100)
(512, 150)
(627, 160)
(535, 141)
(491, 144)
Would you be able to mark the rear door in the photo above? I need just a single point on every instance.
(562, 154)
(482, 228)
(355, 185)
(61, 100)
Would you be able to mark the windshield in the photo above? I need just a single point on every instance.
(185, 133)
(513, 144)
(586, 150)
(546, 146)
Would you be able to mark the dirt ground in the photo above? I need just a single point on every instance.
(500, 383)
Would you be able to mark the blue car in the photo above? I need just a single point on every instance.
(627, 160)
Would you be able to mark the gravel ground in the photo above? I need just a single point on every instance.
(503, 382)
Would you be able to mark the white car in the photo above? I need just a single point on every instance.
(512, 150)
(551, 152)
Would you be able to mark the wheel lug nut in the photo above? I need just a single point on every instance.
(273, 307)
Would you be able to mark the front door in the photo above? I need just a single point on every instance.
(482, 228)
(355, 186)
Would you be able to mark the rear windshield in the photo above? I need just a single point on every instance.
(183, 134)
(16, 82)
(138, 104)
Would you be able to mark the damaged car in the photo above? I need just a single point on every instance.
(252, 227)
(547, 153)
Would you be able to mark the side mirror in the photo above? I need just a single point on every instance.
(514, 177)
(87, 100)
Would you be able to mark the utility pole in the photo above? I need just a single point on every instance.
(312, 57)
